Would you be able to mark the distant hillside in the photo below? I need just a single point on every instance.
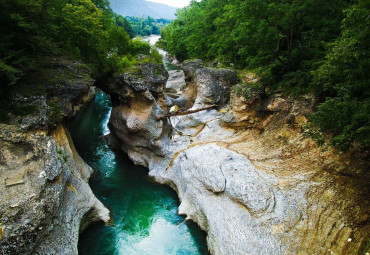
(140, 8)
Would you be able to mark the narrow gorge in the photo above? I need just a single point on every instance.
(245, 172)
(244, 169)
(144, 214)
(238, 127)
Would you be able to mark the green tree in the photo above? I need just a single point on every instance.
(344, 79)
(24, 34)
(146, 26)
(120, 21)
(83, 29)
(316, 46)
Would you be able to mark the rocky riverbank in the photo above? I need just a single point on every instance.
(245, 172)
(45, 199)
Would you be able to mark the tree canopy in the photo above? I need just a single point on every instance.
(343, 77)
(319, 46)
(147, 26)
(83, 29)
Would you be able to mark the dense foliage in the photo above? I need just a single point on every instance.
(82, 29)
(122, 22)
(344, 78)
(319, 46)
(147, 26)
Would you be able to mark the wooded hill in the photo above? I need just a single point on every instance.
(313, 46)
(147, 26)
(142, 8)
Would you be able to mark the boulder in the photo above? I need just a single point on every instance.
(213, 85)
(190, 67)
(176, 81)
(144, 78)
(138, 100)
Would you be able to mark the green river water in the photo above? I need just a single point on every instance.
(145, 219)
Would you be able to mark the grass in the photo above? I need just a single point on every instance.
(366, 249)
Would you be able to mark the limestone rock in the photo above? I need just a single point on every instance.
(213, 85)
(144, 77)
(190, 67)
(205, 86)
(53, 91)
(14, 179)
(247, 174)
(234, 199)
(137, 102)
(45, 199)
(43, 213)
(176, 81)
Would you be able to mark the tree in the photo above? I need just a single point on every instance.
(344, 78)
(24, 34)
(319, 46)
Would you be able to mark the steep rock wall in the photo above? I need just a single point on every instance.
(246, 172)
(45, 199)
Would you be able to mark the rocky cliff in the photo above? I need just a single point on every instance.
(245, 172)
(45, 199)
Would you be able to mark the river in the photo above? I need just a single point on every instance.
(144, 214)
(166, 62)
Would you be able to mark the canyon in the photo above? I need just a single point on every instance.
(245, 172)
(244, 169)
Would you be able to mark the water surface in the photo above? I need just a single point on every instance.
(145, 220)
(166, 62)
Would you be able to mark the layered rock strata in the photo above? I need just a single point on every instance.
(45, 197)
(245, 172)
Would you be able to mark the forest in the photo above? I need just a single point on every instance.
(146, 26)
(320, 47)
(290, 45)
(86, 30)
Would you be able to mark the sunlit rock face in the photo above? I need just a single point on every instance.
(232, 200)
(45, 199)
(246, 172)
(189, 92)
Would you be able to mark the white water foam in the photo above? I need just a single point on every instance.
(163, 238)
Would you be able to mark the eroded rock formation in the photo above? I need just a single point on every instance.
(246, 172)
(45, 197)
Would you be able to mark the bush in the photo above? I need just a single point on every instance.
(124, 64)
(248, 90)
(55, 112)
(155, 56)
(139, 46)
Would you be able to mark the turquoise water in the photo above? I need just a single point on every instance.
(145, 220)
